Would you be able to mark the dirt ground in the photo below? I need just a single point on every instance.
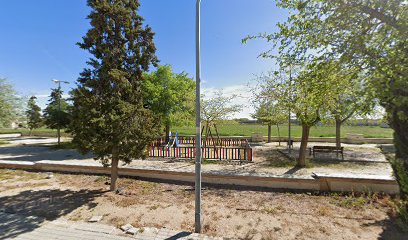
(235, 214)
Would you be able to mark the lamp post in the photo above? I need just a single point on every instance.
(198, 125)
(59, 108)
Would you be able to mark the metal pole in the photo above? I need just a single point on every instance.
(59, 108)
(289, 123)
(59, 113)
(198, 126)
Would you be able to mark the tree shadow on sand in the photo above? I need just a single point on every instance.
(276, 158)
(35, 153)
(390, 230)
(27, 210)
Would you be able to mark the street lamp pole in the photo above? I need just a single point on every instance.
(198, 125)
(59, 108)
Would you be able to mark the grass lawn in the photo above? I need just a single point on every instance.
(46, 132)
(323, 131)
(247, 130)
(63, 145)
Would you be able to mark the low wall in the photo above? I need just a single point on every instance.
(319, 183)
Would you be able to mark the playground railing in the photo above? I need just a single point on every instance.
(211, 153)
(190, 140)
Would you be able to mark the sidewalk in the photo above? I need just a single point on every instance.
(14, 226)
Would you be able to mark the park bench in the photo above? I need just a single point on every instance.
(328, 149)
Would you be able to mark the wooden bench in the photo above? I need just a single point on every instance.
(328, 149)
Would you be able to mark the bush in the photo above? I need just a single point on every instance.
(402, 178)
(401, 175)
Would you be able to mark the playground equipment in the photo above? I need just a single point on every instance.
(222, 148)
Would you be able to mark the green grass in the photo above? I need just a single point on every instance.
(3, 142)
(40, 132)
(63, 145)
(323, 131)
(232, 129)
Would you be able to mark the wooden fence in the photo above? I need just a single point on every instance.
(214, 153)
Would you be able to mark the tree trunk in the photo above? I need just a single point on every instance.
(167, 130)
(400, 126)
(269, 132)
(59, 136)
(114, 170)
(338, 128)
(218, 135)
(279, 137)
(303, 146)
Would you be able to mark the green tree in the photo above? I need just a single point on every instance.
(216, 109)
(57, 114)
(33, 113)
(171, 96)
(352, 96)
(9, 104)
(371, 35)
(109, 119)
(308, 93)
(268, 111)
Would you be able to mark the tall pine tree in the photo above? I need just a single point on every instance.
(56, 114)
(108, 115)
(33, 114)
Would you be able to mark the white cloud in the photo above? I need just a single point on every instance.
(243, 97)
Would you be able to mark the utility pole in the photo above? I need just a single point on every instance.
(198, 124)
(59, 108)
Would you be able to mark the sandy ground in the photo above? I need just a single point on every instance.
(235, 214)
(364, 159)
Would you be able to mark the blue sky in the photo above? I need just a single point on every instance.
(38, 39)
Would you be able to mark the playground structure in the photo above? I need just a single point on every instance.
(220, 148)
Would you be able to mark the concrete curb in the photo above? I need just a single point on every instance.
(317, 182)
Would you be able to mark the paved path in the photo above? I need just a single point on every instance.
(14, 226)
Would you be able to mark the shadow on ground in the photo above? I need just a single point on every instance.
(390, 230)
(37, 153)
(26, 211)
(276, 158)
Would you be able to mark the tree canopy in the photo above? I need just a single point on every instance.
(218, 108)
(33, 113)
(171, 96)
(270, 113)
(10, 104)
(56, 114)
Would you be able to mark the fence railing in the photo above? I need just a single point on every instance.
(190, 140)
(214, 153)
